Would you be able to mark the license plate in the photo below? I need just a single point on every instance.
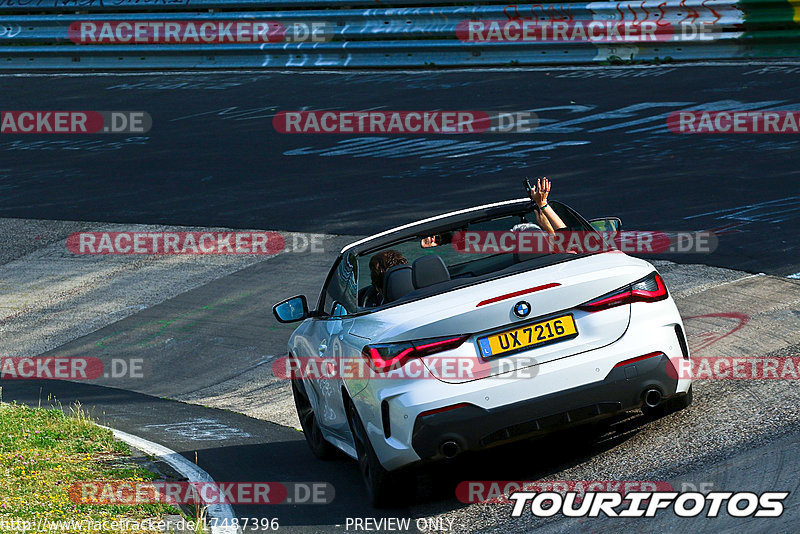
(529, 336)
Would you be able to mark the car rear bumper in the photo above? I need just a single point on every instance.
(391, 409)
(472, 427)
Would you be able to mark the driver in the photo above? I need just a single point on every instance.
(381, 262)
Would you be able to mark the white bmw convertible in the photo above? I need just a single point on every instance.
(465, 351)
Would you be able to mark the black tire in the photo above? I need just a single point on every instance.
(308, 421)
(385, 489)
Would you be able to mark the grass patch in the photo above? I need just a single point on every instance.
(44, 451)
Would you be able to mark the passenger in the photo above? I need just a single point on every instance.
(545, 214)
(547, 218)
(381, 262)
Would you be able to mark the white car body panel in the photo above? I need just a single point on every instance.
(605, 338)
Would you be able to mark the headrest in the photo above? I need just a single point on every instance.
(429, 270)
(397, 282)
(527, 227)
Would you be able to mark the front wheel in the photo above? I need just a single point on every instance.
(308, 421)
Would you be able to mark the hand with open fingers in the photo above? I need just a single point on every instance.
(540, 191)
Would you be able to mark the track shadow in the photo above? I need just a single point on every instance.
(527, 460)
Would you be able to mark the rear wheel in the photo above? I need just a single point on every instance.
(681, 402)
(308, 421)
(384, 488)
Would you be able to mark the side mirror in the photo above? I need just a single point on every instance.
(291, 310)
(337, 310)
(607, 224)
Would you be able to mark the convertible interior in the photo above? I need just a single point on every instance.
(442, 268)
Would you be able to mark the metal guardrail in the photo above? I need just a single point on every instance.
(44, 34)
(546, 9)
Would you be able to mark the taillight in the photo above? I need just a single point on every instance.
(651, 288)
(388, 356)
(609, 300)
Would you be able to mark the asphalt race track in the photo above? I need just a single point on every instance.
(248, 450)
(213, 156)
(232, 447)
(214, 159)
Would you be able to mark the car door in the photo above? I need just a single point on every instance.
(329, 339)
(322, 337)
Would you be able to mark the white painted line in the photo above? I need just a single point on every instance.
(747, 277)
(220, 516)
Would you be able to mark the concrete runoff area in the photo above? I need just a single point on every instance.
(50, 296)
(204, 330)
(196, 321)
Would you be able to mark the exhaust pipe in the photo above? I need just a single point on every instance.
(652, 398)
(450, 449)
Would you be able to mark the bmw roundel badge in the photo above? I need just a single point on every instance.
(522, 308)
